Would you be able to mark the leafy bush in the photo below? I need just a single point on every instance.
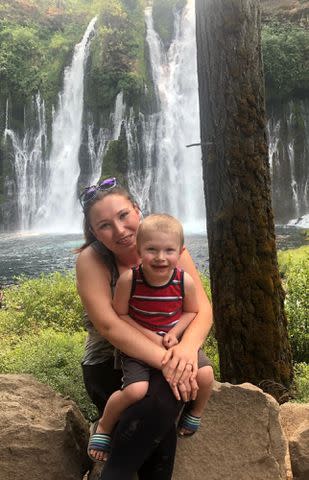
(294, 267)
(301, 372)
(285, 53)
(53, 358)
(41, 334)
(37, 303)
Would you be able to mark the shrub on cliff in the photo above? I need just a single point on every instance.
(285, 53)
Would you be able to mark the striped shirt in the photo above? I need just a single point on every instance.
(157, 308)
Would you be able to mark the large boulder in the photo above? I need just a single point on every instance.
(42, 434)
(295, 422)
(240, 438)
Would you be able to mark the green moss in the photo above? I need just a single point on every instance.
(115, 163)
(117, 57)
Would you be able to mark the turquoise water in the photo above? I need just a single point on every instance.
(32, 254)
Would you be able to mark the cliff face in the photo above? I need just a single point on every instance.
(37, 40)
(296, 11)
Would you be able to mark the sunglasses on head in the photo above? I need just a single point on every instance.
(90, 192)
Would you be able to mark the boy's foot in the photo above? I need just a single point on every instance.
(98, 445)
(188, 425)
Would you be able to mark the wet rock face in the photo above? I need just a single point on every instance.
(293, 10)
(42, 435)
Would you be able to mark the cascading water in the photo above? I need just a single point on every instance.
(98, 145)
(96, 150)
(29, 165)
(178, 179)
(140, 157)
(118, 115)
(60, 211)
(288, 153)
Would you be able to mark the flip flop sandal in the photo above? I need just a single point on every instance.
(189, 422)
(101, 442)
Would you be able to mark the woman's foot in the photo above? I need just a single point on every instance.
(188, 425)
(99, 444)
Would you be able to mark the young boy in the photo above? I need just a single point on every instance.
(160, 300)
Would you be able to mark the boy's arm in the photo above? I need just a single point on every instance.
(190, 309)
(121, 305)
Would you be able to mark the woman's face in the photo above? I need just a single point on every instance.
(114, 221)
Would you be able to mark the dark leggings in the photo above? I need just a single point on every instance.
(144, 439)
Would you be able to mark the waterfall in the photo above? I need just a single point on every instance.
(288, 155)
(178, 187)
(96, 150)
(98, 145)
(60, 211)
(141, 136)
(118, 115)
(29, 164)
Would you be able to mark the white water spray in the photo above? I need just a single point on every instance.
(118, 115)
(30, 168)
(61, 211)
(178, 185)
(140, 157)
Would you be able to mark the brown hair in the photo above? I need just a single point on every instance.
(161, 222)
(100, 194)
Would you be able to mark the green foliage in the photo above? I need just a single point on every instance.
(38, 303)
(53, 358)
(294, 267)
(41, 333)
(286, 59)
(301, 383)
(117, 55)
(36, 43)
(206, 284)
(20, 56)
(115, 159)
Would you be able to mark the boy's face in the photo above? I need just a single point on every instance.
(160, 253)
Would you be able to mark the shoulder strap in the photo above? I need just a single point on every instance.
(182, 283)
(134, 278)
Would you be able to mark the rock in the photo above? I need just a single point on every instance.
(295, 422)
(42, 435)
(240, 438)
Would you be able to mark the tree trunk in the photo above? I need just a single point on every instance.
(250, 323)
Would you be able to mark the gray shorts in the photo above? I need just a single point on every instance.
(137, 371)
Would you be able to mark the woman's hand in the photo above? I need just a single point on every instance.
(179, 367)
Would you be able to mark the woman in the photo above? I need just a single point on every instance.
(144, 439)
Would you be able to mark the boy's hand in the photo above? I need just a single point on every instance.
(169, 340)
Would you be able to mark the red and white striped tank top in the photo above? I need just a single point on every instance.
(157, 308)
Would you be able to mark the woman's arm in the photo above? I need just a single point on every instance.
(185, 352)
(190, 309)
(93, 283)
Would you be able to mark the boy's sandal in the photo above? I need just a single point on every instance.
(101, 442)
(188, 422)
